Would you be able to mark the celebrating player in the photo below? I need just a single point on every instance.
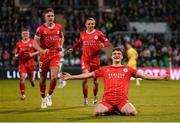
(132, 58)
(25, 53)
(116, 85)
(48, 40)
(91, 41)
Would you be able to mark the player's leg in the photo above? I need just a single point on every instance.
(102, 109)
(30, 72)
(95, 85)
(22, 72)
(54, 69)
(127, 108)
(85, 69)
(43, 68)
(95, 90)
(85, 91)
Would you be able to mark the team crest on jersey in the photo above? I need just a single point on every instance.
(30, 45)
(95, 37)
(125, 70)
(107, 70)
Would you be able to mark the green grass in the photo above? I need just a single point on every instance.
(155, 101)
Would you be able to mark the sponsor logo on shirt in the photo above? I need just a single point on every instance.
(51, 38)
(116, 75)
(89, 43)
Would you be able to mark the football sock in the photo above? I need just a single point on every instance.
(52, 86)
(85, 89)
(22, 88)
(42, 89)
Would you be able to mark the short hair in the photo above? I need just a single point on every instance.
(90, 18)
(48, 10)
(116, 49)
(24, 29)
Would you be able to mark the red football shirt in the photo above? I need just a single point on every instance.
(116, 82)
(50, 37)
(23, 49)
(90, 43)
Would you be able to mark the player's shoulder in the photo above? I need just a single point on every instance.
(58, 25)
(98, 32)
(18, 42)
(105, 67)
(83, 32)
(41, 27)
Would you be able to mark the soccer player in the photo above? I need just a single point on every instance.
(48, 40)
(91, 41)
(116, 85)
(132, 58)
(24, 53)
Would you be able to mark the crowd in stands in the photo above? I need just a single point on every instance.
(154, 49)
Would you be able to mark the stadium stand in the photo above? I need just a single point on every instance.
(154, 49)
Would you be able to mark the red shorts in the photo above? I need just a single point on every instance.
(47, 62)
(27, 67)
(112, 107)
(89, 67)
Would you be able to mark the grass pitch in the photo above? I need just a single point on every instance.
(155, 101)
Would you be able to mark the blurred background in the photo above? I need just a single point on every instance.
(152, 26)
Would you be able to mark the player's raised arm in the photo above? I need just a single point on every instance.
(33, 54)
(104, 41)
(75, 46)
(151, 77)
(67, 76)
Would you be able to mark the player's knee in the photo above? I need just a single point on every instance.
(129, 110)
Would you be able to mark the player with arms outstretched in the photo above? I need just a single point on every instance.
(91, 41)
(48, 40)
(24, 53)
(116, 85)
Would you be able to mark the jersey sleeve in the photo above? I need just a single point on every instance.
(98, 72)
(133, 72)
(38, 32)
(77, 44)
(104, 40)
(60, 31)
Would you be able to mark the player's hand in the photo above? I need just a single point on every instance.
(70, 50)
(167, 77)
(66, 76)
(102, 45)
(44, 51)
(30, 55)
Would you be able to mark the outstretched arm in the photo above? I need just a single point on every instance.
(151, 77)
(33, 54)
(67, 76)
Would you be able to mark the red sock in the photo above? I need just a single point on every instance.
(52, 86)
(85, 89)
(22, 88)
(42, 86)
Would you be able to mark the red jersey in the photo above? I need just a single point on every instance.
(23, 49)
(50, 37)
(116, 82)
(90, 43)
